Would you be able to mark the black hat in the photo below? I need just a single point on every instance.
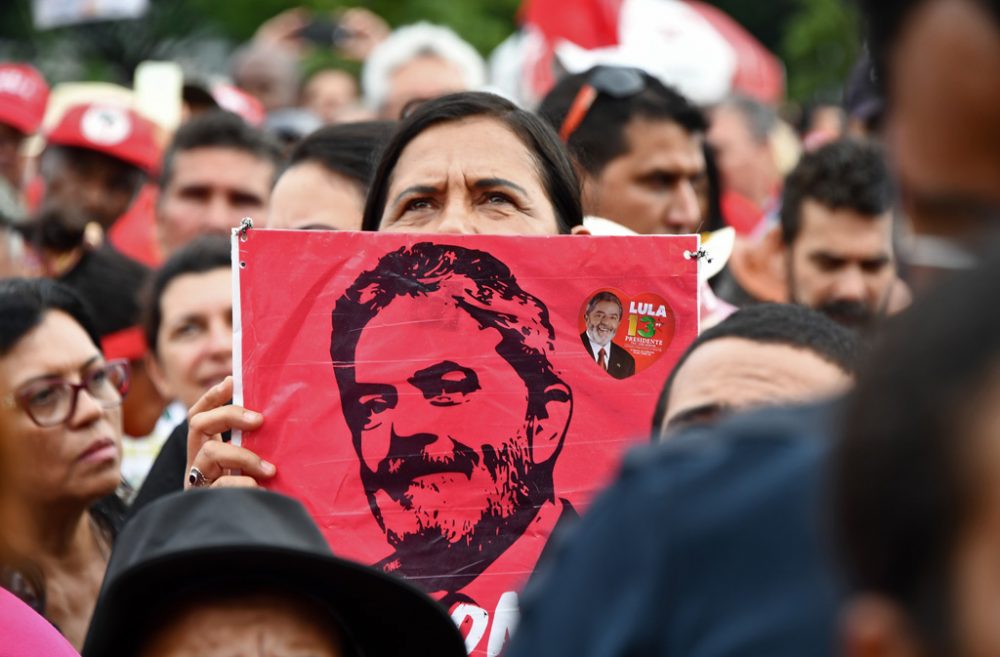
(187, 544)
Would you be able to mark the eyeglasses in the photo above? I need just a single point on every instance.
(615, 81)
(52, 401)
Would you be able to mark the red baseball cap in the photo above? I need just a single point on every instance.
(110, 129)
(23, 96)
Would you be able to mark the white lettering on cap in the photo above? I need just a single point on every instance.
(106, 126)
(14, 83)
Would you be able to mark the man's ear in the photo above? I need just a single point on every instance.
(155, 372)
(549, 428)
(873, 626)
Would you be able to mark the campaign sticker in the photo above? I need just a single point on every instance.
(624, 334)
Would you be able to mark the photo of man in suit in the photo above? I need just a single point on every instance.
(604, 314)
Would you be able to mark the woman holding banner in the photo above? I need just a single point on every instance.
(61, 436)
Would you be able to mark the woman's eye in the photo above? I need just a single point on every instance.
(44, 396)
(496, 198)
(417, 204)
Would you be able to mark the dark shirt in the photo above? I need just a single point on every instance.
(167, 473)
(709, 545)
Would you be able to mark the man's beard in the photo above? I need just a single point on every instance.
(464, 511)
(603, 341)
(850, 314)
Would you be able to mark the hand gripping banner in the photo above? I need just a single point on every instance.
(444, 404)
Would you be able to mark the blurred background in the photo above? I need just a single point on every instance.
(817, 40)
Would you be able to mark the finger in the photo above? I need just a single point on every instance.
(207, 425)
(215, 458)
(233, 481)
(214, 397)
(212, 422)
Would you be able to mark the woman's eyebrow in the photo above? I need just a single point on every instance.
(414, 189)
(498, 182)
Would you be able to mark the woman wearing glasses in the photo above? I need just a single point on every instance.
(60, 438)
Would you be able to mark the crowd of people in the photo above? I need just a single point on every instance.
(820, 478)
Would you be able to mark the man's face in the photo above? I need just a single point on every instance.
(328, 92)
(11, 140)
(942, 127)
(745, 166)
(842, 264)
(96, 185)
(653, 187)
(421, 78)
(602, 321)
(210, 191)
(439, 425)
(732, 374)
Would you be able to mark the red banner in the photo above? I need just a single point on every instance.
(442, 404)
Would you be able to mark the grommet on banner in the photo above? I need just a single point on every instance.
(245, 224)
(697, 255)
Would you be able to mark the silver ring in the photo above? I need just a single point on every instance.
(197, 478)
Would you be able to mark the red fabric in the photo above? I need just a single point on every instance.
(129, 343)
(740, 213)
(134, 233)
(759, 74)
(26, 633)
(290, 281)
(23, 97)
(587, 23)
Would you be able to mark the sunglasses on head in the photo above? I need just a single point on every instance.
(615, 81)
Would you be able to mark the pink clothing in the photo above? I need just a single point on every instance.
(26, 634)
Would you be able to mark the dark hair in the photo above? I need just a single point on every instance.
(554, 167)
(777, 324)
(489, 293)
(902, 489)
(219, 129)
(604, 296)
(846, 174)
(24, 302)
(885, 19)
(600, 137)
(201, 255)
(348, 149)
(714, 221)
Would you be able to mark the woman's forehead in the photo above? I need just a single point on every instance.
(478, 147)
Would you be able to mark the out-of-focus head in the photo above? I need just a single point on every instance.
(836, 226)
(188, 320)
(763, 355)
(269, 74)
(216, 171)
(60, 402)
(741, 136)
(941, 127)
(638, 145)
(326, 180)
(419, 62)
(23, 98)
(247, 572)
(96, 159)
(916, 505)
(328, 91)
(474, 163)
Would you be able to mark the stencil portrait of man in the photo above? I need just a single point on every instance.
(456, 412)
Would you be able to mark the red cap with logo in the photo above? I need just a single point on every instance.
(23, 96)
(115, 131)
